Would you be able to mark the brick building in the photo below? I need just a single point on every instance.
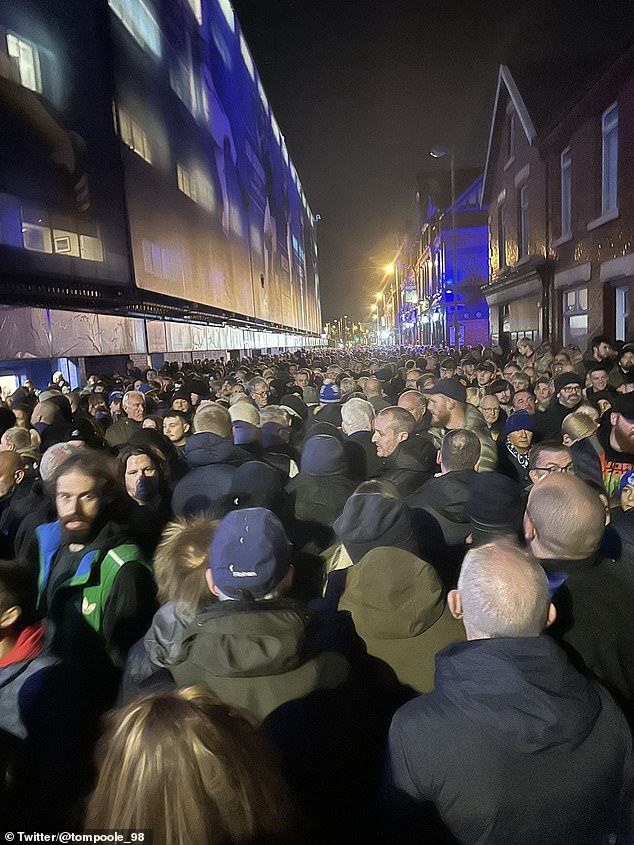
(559, 183)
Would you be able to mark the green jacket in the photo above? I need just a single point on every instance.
(474, 421)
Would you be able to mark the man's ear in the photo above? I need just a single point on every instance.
(529, 528)
(552, 615)
(477, 465)
(438, 460)
(614, 418)
(18, 476)
(210, 582)
(186, 427)
(532, 474)
(10, 616)
(454, 604)
(402, 435)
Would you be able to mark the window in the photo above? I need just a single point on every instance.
(25, 62)
(36, 238)
(622, 312)
(244, 49)
(566, 192)
(65, 243)
(522, 229)
(501, 235)
(227, 11)
(183, 84)
(133, 135)
(575, 307)
(510, 136)
(610, 133)
(91, 249)
(196, 186)
(197, 9)
(138, 20)
(263, 97)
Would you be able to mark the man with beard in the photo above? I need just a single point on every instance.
(600, 352)
(567, 397)
(617, 439)
(624, 365)
(94, 584)
(449, 410)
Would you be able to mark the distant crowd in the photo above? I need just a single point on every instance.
(338, 596)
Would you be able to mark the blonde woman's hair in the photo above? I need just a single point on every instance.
(181, 560)
(191, 769)
(578, 426)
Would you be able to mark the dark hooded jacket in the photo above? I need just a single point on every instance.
(212, 461)
(258, 655)
(513, 746)
(595, 624)
(159, 648)
(399, 611)
(410, 465)
(322, 487)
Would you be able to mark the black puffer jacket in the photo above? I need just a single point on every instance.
(410, 465)
(212, 461)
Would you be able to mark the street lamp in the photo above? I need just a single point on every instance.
(439, 153)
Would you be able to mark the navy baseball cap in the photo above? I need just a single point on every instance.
(250, 553)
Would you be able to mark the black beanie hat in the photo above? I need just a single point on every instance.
(495, 504)
(370, 520)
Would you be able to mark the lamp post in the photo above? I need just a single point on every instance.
(438, 153)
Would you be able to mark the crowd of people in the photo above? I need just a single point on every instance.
(352, 595)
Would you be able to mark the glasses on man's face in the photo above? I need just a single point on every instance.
(557, 468)
(261, 392)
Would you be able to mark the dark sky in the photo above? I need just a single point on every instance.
(363, 90)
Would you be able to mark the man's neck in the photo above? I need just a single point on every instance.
(457, 418)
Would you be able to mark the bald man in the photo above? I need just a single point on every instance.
(513, 745)
(15, 502)
(374, 394)
(563, 527)
(414, 402)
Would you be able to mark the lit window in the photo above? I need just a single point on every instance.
(227, 11)
(65, 243)
(566, 192)
(183, 84)
(610, 132)
(196, 186)
(510, 136)
(36, 238)
(523, 221)
(221, 46)
(138, 20)
(575, 314)
(197, 9)
(501, 236)
(25, 62)
(262, 94)
(247, 57)
(91, 249)
(133, 135)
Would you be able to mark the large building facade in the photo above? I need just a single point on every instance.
(148, 203)
(559, 184)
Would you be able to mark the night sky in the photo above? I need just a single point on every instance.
(363, 90)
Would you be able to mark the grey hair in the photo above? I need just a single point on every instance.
(357, 415)
(256, 382)
(503, 591)
(126, 397)
(275, 414)
(54, 457)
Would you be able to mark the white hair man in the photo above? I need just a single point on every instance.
(133, 405)
(357, 423)
(509, 718)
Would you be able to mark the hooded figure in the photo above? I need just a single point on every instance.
(322, 487)
(399, 611)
